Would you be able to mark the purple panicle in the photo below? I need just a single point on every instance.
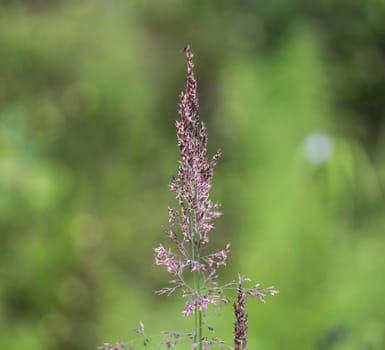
(240, 324)
(191, 223)
(189, 228)
(193, 183)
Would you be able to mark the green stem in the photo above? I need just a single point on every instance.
(200, 335)
(196, 307)
(198, 313)
(195, 253)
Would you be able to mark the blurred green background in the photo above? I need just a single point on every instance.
(293, 92)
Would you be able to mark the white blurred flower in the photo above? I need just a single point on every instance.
(318, 147)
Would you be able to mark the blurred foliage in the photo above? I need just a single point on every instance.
(88, 99)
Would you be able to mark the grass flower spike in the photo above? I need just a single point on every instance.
(192, 265)
(191, 224)
(240, 324)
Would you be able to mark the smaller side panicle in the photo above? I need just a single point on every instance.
(241, 318)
